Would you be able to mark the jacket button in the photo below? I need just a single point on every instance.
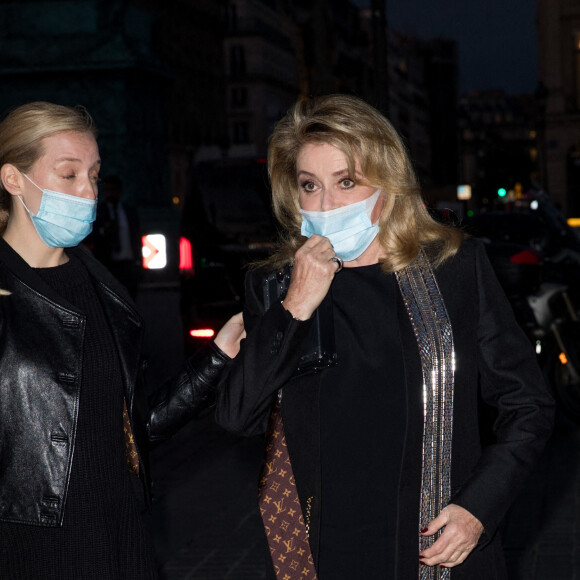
(70, 322)
(279, 335)
(51, 502)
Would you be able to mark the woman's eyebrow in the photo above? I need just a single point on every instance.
(65, 159)
(338, 173)
(74, 160)
(345, 171)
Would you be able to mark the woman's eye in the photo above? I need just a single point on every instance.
(347, 183)
(70, 176)
(308, 186)
(95, 179)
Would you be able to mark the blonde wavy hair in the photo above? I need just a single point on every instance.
(364, 135)
(22, 133)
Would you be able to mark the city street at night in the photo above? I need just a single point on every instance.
(390, 191)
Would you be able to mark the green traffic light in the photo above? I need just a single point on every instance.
(502, 192)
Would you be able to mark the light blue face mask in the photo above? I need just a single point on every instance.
(348, 228)
(63, 220)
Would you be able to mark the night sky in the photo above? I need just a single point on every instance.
(497, 38)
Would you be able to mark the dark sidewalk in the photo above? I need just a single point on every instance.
(205, 519)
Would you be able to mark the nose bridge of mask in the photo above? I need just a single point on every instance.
(338, 229)
(59, 202)
(344, 215)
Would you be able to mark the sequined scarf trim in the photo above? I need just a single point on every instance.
(432, 328)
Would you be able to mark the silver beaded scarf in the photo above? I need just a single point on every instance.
(432, 329)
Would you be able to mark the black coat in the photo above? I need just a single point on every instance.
(494, 361)
(41, 345)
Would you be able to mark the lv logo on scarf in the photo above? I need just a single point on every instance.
(280, 508)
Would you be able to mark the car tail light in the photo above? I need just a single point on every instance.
(186, 263)
(202, 333)
(525, 257)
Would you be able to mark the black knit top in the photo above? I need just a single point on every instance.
(102, 536)
(362, 429)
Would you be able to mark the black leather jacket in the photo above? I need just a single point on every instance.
(41, 345)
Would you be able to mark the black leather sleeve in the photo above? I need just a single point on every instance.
(185, 396)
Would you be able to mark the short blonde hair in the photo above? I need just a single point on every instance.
(363, 134)
(22, 133)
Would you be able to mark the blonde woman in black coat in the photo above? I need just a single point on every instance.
(380, 419)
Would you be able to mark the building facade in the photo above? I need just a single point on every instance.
(422, 105)
(497, 143)
(558, 24)
(99, 55)
(173, 83)
(261, 73)
(188, 38)
(279, 51)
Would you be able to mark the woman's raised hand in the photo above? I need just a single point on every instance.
(229, 337)
(312, 275)
(460, 536)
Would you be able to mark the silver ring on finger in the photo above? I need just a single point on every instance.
(339, 263)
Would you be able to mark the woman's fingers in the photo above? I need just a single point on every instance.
(229, 337)
(460, 536)
(312, 275)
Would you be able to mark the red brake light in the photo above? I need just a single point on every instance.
(186, 264)
(202, 333)
(525, 257)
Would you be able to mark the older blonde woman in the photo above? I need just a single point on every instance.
(381, 434)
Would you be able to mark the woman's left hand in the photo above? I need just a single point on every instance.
(460, 536)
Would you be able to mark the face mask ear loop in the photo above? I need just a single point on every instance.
(22, 202)
(20, 197)
(31, 181)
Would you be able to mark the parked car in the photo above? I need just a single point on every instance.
(227, 224)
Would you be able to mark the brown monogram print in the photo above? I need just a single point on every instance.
(281, 510)
(130, 447)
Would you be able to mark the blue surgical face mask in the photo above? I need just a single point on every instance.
(348, 228)
(63, 220)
